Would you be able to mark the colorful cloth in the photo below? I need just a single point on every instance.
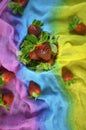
(61, 106)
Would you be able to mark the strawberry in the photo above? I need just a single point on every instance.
(44, 51)
(35, 28)
(21, 2)
(7, 76)
(77, 26)
(66, 74)
(7, 99)
(80, 29)
(51, 61)
(34, 90)
(33, 55)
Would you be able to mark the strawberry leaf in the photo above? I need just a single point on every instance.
(2, 103)
(44, 37)
(73, 24)
(37, 23)
(1, 81)
(53, 48)
(16, 8)
(20, 10)
(43, 67)
(76, 20)
(32, 38)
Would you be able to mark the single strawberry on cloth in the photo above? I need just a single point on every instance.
(8, 50)
(72, 58)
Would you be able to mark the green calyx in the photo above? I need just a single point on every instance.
(34, 95)
(16, 8)
(2, 103)
(73, 24)
(37, 23)
(68, 83)
(2, 83)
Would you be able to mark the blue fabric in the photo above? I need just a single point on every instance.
(51, 94)
(34, 10)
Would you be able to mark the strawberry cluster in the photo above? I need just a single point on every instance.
(39, 48)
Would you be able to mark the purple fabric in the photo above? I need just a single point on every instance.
(3, 5)
(24, 112)
(6, 15)
(8, 50)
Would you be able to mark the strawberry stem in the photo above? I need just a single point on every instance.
(73, 24)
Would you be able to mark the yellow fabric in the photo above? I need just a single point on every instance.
(72, 53)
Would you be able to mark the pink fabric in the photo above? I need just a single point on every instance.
(8, 50)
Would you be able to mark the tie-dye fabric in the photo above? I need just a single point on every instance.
(61, 106)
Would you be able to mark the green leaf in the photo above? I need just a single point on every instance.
(37, 23)
(2, 83)
(73, 23)
(16, 8)
(15, 11)
(53, 48)
(19, 53)
(43, 67)
(2, 103)
(32, 38)
(34, 22)
(44, 37)
(20, 10)
(76, 20)
(12, 4)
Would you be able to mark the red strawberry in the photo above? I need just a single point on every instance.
(77, 26)
(51, 61)
(21, 2)
(44, 51)
(34, 89)
(7, 76)
(33, 56)
(80, 29)
(8, 99)
(33, 29)
(66, 74)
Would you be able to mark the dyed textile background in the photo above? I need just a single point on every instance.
(60, 107)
